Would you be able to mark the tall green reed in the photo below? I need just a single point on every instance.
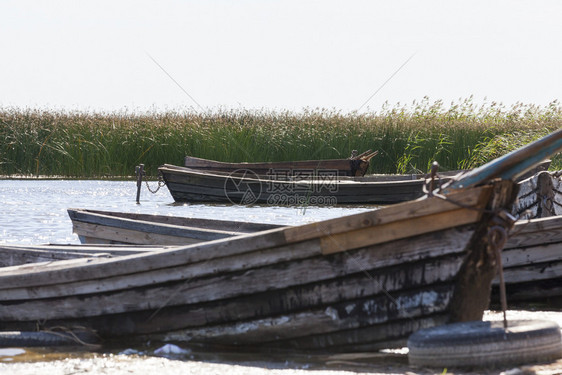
(408, 137)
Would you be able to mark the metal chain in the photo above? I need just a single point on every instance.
(161, 183)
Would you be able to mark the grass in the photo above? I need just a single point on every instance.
(409, 138)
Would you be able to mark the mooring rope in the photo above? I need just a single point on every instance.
(161, 183)
(497, 237)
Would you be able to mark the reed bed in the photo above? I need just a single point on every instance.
(99, 145)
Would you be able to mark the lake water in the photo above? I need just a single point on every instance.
(34, 212)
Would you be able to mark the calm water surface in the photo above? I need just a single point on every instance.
(34, 211)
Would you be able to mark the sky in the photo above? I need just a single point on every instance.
(276, 55)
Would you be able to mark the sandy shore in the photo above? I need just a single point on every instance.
(19, 361)
(127, 364)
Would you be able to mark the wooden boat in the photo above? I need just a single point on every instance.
(532, 262)
(319, 286)
(105, 227)
(189, 185)
(360, 282)
(540, 195)
(532, 258)
(356, 165)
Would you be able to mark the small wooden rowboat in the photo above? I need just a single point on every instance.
(356, 165)
(355, 283)
(189, 185)
(105, 227)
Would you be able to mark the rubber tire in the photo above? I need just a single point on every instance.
(485, 343)
(34, 339)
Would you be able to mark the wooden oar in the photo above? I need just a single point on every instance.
(354, 157)
(514, 164)
(368, 157)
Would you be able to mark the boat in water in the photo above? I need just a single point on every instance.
(355, 165)
(246, 188)
(107, 227)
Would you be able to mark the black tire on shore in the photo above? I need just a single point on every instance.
(485, 343)
(34, 339)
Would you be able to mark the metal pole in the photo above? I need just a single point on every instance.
(139, 171)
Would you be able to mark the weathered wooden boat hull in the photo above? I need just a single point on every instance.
(354, 166)
(540, 196)
(532, 262)
(360, 282)
(186, 185)
(532, 258)
(105, 227)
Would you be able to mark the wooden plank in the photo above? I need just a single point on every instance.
(191, 192)
(377, 310)
(234, 294)
(531, 255)
(157, 228)
(403, 211)
(535, 232)
(85, 249)
(298, 298)
(534, 272)
(85, 276)
(541, 291)
(85, 269)
(342, 166)
(97, 217)
(131, 236)
(272, 276)
(14, 256)
(400, 229)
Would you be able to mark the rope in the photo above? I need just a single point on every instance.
(68, 333)
(429, 185)
(497, 236)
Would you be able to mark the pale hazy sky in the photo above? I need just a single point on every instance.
(96, 55)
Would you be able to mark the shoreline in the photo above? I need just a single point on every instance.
(194, 361)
